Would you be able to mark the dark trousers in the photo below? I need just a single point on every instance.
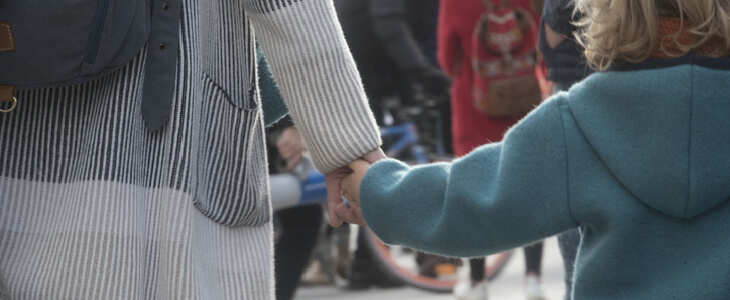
(300, 227)
(533, 262)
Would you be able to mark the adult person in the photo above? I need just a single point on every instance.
(95, 206)
(565, 64)
(388, 41)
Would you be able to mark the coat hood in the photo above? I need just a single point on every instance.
(664, 133)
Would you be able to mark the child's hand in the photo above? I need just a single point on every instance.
(351, 189)
(335, 205)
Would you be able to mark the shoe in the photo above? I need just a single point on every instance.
(357, 282)
(466, 291)
(315, 275)
(533, 288)
(434, 266)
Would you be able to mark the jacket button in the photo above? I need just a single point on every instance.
(166, 6)
(163, 47)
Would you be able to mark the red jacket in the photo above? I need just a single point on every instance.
(470, 127)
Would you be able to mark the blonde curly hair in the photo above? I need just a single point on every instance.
(628, 30)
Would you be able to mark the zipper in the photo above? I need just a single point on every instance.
(97, 32)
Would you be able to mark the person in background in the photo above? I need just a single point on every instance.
(383, 39)
(635, 155)
(471, 128)
(298, 227)
(389, 42)
(566, 65)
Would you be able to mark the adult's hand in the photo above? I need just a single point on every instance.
(290, 146)
(337, 210)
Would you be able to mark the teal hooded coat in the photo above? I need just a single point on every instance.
(638, 158)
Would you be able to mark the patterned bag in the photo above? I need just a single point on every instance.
(504, 55)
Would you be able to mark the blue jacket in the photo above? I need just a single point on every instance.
(638, 159)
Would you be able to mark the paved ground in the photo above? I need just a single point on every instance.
(508, 286)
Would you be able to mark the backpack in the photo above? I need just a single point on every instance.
(504, 56)
(65, 42)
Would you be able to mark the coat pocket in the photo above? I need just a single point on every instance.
(231, 176)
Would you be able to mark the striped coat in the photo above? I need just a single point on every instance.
(93, 206)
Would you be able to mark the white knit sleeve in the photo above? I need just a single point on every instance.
(317, 77)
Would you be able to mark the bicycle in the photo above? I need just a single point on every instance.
(397, 260)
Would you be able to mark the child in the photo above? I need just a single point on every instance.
(636, 156)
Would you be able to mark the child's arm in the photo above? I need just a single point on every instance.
(498, 197)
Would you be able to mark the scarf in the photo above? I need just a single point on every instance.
(668, 28)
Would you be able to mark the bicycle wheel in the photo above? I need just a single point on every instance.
(401, 263)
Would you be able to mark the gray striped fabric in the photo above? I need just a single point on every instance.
(93, 206)
(3, 289)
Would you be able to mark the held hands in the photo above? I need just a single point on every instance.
(351, 189)
(349, 179)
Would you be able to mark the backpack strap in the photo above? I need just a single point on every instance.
(162, 51)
